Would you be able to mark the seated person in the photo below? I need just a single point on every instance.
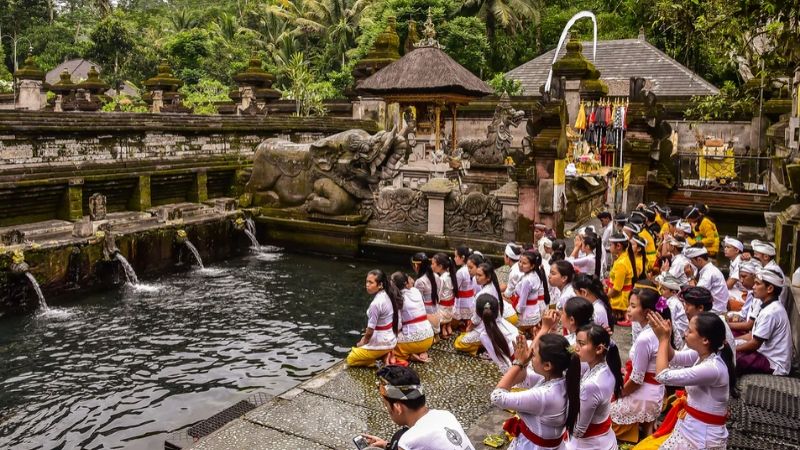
(741, 322)
(768, 349)
(424, 428)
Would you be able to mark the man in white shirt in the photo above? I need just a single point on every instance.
(708, 276)
(768, 349)
(608, 230)
(764, 252)
(732, 249)
(428, 429)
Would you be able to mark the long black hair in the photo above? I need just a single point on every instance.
(555, 349)
(565, 269)
(593, 242)
(643, 249)
(631, 257)
(463, 251)
(580, 309)
(710, 326)
(559, 250)
(488, 270)
(476, 259)
(593, 284)
(394, 295)
(450, 266)
(598, 335)
(536, 262)
(426, 271)
(649, 297)
(488, 309)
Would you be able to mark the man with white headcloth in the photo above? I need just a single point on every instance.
(768, 348)
(733, 248)
(764, 252)
(708, 276)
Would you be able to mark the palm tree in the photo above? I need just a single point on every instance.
(183, 19)
(511, 15)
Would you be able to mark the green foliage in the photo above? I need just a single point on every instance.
(503, 85)
(464, 39)
(305, 89)
(112, 42)
(731, 103)
(202, 95)
(125, 103)
(6, 86)
(187, 50)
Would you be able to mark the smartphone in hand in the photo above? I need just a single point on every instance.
(361, 442)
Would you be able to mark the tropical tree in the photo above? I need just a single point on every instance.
(511, 15)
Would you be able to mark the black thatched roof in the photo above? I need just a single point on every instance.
(425, 70)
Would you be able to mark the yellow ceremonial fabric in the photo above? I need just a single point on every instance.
(580, 121)
(404, 350)
(560, 172)
(651, 443)
(363, 357)
(471, 348)
(664, 228)
(706, 233)
(649, 249)
(626, 433)
(621, 279)
(513, 319)
(712, 168)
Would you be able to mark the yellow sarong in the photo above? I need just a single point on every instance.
(362, 357)
(404, 350)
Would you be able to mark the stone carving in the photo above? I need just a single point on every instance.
(494, 149)
(97, 207)
(12, 237)
(400, 207)
(473, 213)
(329, 176)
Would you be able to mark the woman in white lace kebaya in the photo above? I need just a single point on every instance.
(599, 384)
(549, 407)
(707, 372)
(642, 395)
(531, 291)
(415, 336)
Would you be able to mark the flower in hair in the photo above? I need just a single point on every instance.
(661, 304)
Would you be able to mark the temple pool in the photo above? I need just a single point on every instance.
(125, 368)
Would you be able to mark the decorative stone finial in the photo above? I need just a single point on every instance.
(641, 34)
(430, 34)
(412, 37)
(384, 51)
(29, 70)
(93, 83)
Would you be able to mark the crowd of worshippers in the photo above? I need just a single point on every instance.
(546, 319)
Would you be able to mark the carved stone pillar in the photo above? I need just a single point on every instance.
(29, 80)
(72, 203)
(508, 196)
(436, 191)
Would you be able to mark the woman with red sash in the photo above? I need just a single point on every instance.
(639, 403)
(465, 286)
(416, 335)
(599, 384)
(532, 292)
(549, 407)
(697, 419)
(444, 267)
(383, 321)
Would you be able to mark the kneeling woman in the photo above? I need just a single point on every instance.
(599, 384)
(485, 277)
(383, 321)
(497, 335)
(549, 408)
(416, 335)
(707, 371)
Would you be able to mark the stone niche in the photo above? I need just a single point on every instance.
(585, 194)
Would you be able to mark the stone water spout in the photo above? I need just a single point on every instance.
(182, 239)
(112, 253)
(248, 226)
(20, 267)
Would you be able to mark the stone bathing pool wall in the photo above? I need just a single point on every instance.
(160, 173)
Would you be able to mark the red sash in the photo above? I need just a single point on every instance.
(597, 429)
(514, 299)
(679, 409)
(649, 377)
(383, 327)
(416, 320)
(465, 294)
(448, 302)
(516, 426)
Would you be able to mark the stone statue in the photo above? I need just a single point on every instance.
(97, 207)
(330, 176)
(494, 149)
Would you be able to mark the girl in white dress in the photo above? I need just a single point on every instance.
(642, 395)
(383, 321)
(587, 255)
(427, 284)
(561, 275)
(707, 371)
(549, 407)
(591, 288)
(599, 384)
(531, 290)
(469, 341)
(444, 267)
(465, 295)
(496, 334)
(416, 334)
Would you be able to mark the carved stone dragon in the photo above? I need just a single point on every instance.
(494, 149)
(330, 176)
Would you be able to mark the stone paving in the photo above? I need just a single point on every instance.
(328, 410)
